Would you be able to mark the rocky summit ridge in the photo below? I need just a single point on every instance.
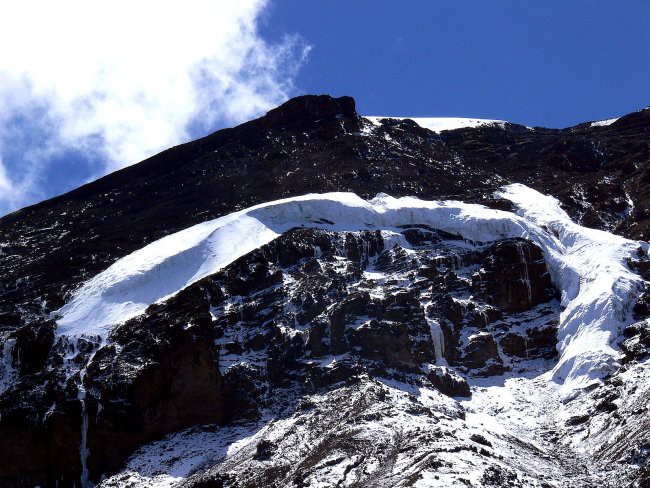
(485, 325)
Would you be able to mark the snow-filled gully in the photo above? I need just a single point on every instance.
(587, 266)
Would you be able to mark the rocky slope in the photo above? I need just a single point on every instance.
(404, 355)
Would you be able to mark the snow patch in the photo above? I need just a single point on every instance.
(438, 124)
(164, 267)
(603, 123)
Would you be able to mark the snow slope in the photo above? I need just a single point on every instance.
(588, 266)
(438, 124)
(598, 289)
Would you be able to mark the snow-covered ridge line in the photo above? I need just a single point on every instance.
(604, 123)
(164, 267)
(438, 124)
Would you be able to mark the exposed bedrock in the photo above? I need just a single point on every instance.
(514, 277)
(309, 311)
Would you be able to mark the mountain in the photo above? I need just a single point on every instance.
(316, 298)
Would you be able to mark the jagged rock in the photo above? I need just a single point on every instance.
(316, 335)
(514, 277)
(485, 316)
(514, 344)
(498, 204)
(402, 306)
(241, 283)
(338, 373)
(482, 355)
(264, 450)
(32, 348)
(641, 308)
(449, 382)
(497, 477)
(637, 344)
(391, 343)
(339, 316)
(452, 311)
(585, 157)
(542, 341)
(163, 377)
(365, 246)
(309, 110)
(480, 439)
(538, 342)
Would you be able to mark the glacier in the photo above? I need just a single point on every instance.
(588, 266)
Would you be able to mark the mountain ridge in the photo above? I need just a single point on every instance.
(315, 313)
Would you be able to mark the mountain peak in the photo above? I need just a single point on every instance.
(309, 108)
(246, 301)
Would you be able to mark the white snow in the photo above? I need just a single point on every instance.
(438, 124)
(588, 266)
(438, 339)
(598, 290)
(603, 123)
(170, 264)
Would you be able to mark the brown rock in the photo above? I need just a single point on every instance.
(482, 355)
(449, 383)
(514, 277)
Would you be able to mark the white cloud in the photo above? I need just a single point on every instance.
(123, 80)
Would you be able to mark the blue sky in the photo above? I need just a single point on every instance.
(553, 63)
(79, 102)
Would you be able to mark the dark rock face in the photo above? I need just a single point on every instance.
(311, 312)
(514, 278)
(162, 374)
(33, 344)
(264, 330)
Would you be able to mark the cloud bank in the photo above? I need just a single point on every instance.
(115, 82)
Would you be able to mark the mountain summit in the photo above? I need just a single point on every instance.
(316, 298)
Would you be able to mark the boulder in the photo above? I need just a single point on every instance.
(481, 355)
(448, 382)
